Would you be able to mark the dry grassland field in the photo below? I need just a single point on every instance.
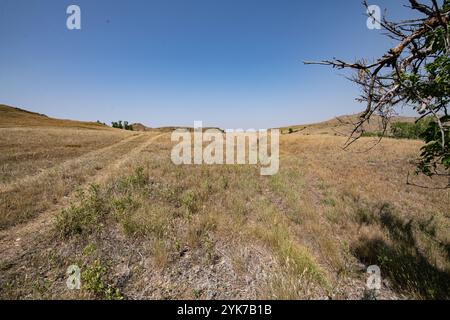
(139, 227)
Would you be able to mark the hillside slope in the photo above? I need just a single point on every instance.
(16, 117)
(342, 126)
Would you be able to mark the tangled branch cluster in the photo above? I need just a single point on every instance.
(415, 73)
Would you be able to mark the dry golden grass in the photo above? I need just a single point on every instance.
(29, 151)
(151, 229)
(11, 117)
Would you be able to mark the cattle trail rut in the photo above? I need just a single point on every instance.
(19, 240)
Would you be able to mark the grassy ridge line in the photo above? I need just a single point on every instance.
(27, 200)
(341, 126)
(11, 117)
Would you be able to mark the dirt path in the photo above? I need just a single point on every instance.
(5, 187)
(17, 241)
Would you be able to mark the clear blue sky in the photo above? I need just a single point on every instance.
(229, 63)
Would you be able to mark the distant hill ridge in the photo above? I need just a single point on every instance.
(23, 110)
(342, 125)
(18, 117)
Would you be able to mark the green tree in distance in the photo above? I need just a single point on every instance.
(120, 125)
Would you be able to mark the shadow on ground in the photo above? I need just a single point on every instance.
(400, 257)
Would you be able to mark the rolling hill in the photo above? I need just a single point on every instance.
(342, 125)
(12, 117)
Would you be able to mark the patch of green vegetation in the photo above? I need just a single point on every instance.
(190, 201)
(329, 201)
(410, 130)
(403, 130)
(94, 280)
(224, 182)
(120, 125)
(295, 259)
(89, 249)
(96, 204)
(138, 181)
(333, 215)
(86, 217)
(197, 293)
(364, 216)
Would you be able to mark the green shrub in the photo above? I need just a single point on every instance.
(403, 130)
(94, 280)
(190, 202)
(410, 130)
(85, 217)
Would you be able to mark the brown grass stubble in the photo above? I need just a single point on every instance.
(25, 152)
(31, 237)
(304, 222)
(292, 235)
(353, 199)
(25, 199)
